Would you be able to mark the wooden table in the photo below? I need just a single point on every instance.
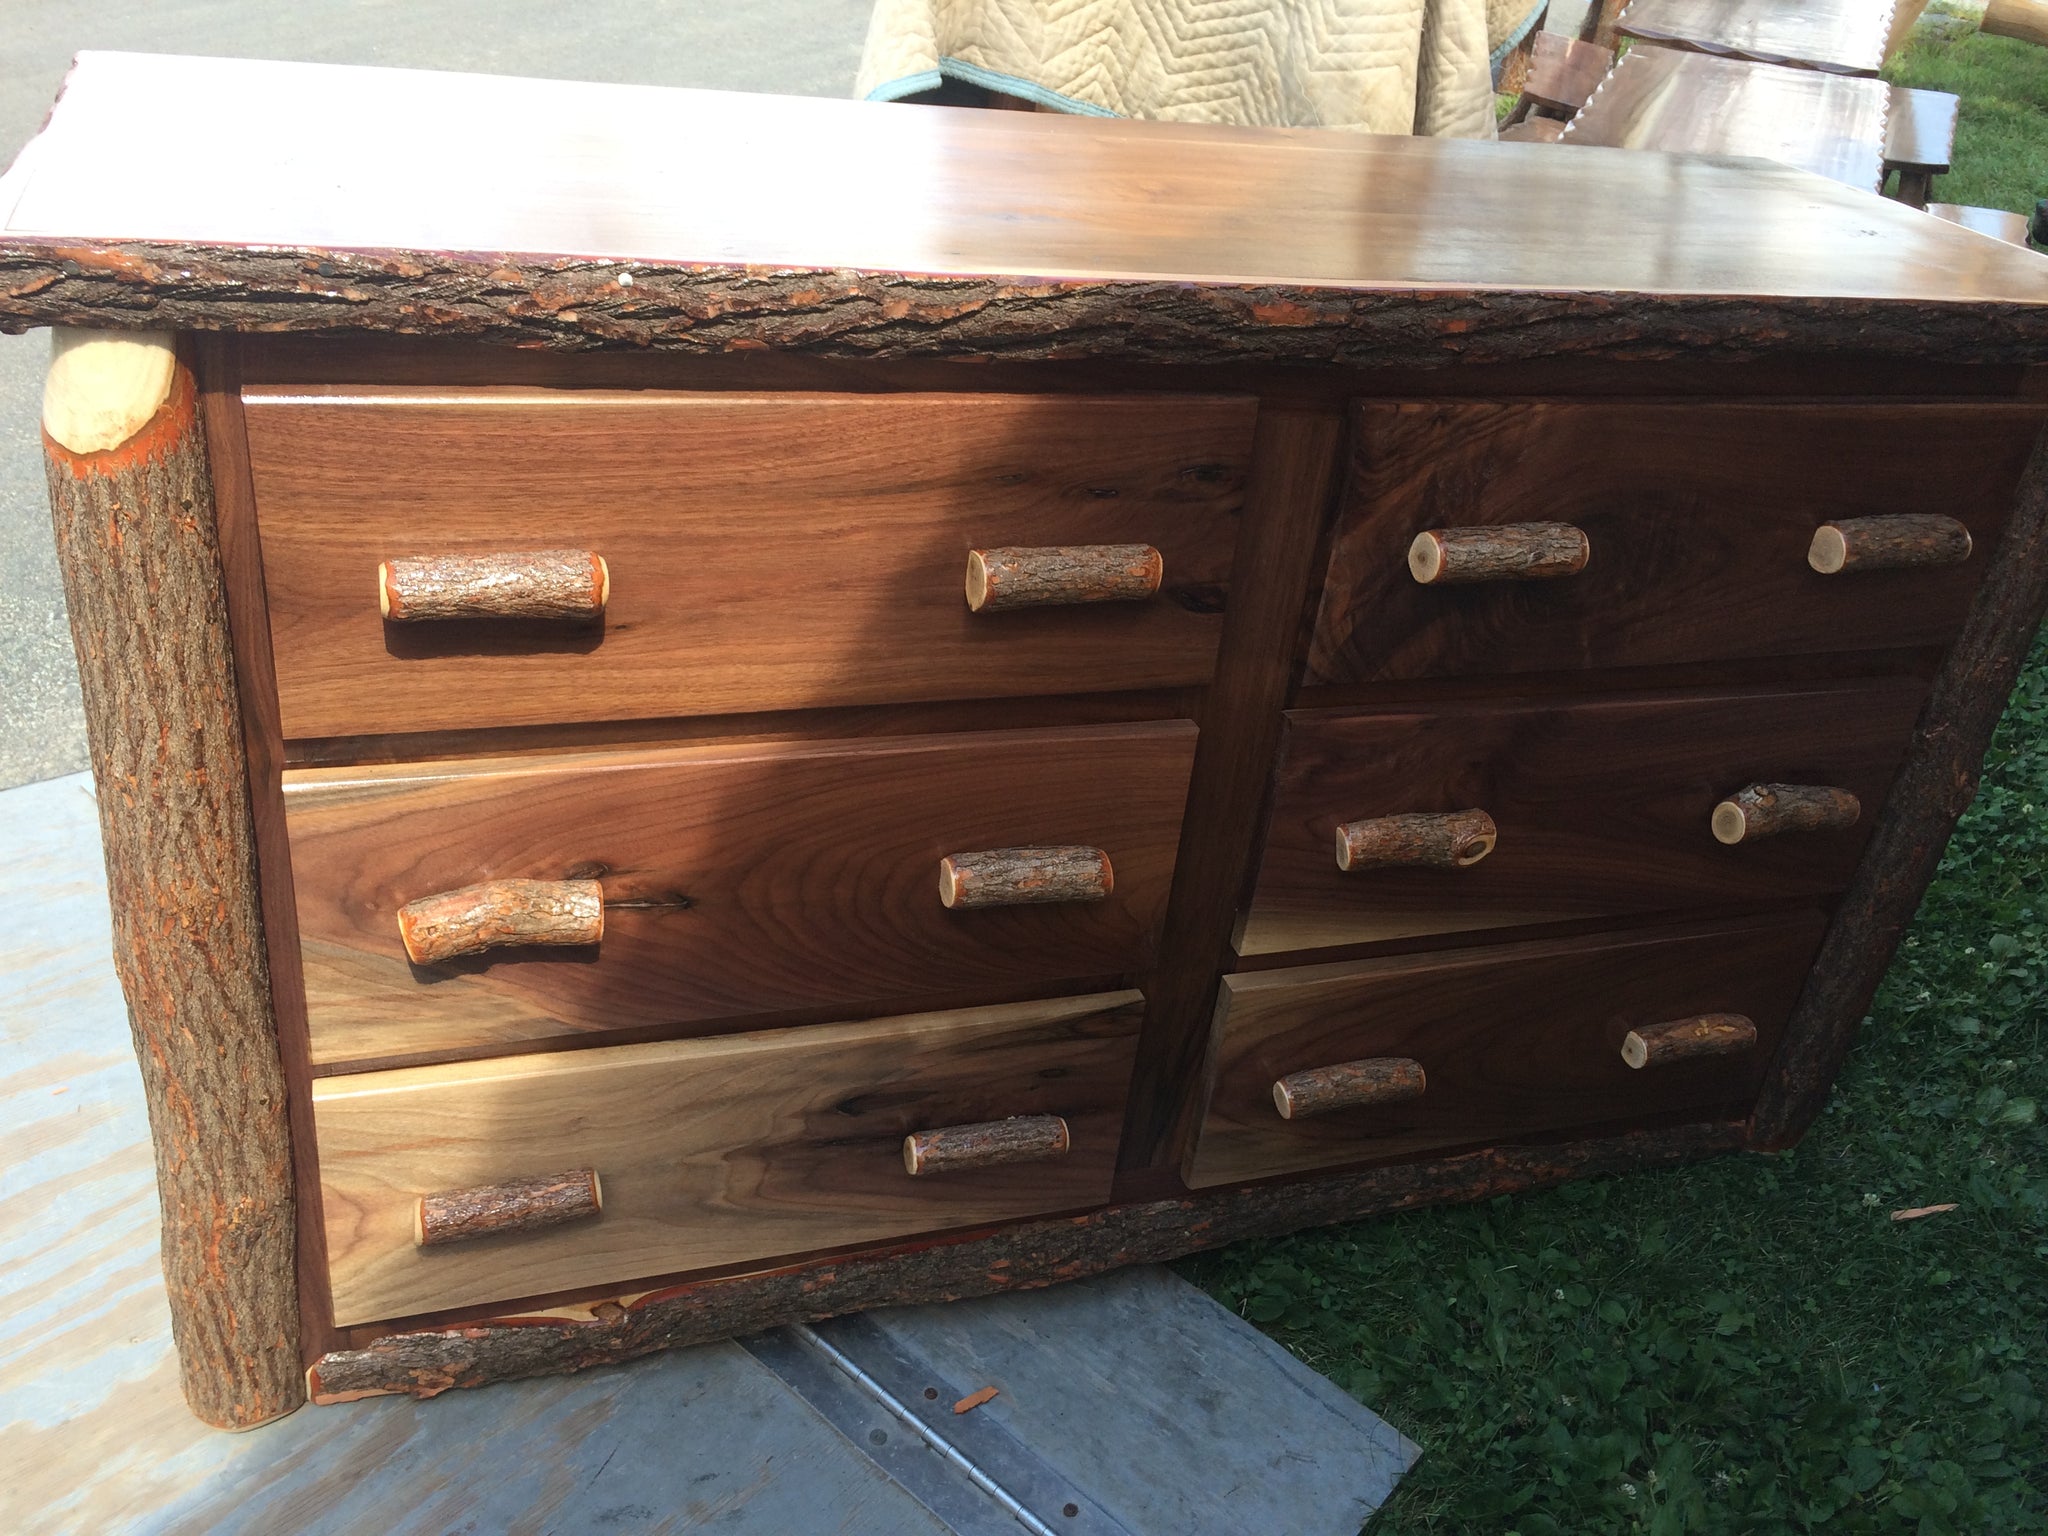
(838, 595)
(1698, 104)
(1837, 36)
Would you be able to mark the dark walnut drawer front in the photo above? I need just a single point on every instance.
(1697, 521)
(712, 882)
(1595, 807)
(1478, 1045)
(692, 1154)
(760, 552)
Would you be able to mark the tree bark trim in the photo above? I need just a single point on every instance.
(1060, 575)
(574, 304)
(498, 914)
(1887, 543)
(521, 1205)
(1442, 557)
(1935, 785)
(1022, 1257)
(1020, 1139)
(565, 584)
(1018, 877)
(1454, 840)
(1711, 1034)
(1768, 810)
(139, 552)
(1349, 1085)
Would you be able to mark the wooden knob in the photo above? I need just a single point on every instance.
(1510, 552)
(1016, 877)
(1456, 840)
(1887, 543)
(498, 913)
(1381, 1080)
(1765, 810)
(1710, 1034)
(1020, 1139)
(1061, 574)
(528, 584)
(524, 1205)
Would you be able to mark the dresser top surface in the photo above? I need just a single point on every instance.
(231, 154)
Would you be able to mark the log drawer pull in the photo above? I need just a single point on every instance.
(565, 584)
(1710, 1034)
(1348, 1085)
(1508, 552)
(499, 913)
(1457, 840)
(989, 1144)
(1060, 575)
(1887, 543)
(522, 1205)
(1765, 810)
(1016, 877)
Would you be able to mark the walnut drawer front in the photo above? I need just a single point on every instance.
(735, 879)
(1698, 519)
(1601, 806)
(1509, 1039)
(764, 552)
(711, 1152)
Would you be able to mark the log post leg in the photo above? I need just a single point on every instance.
(132, 502)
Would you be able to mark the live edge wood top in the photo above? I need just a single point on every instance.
(556, 214)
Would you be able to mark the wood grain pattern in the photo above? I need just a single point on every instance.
(494, 1210)
(139, 555)
(1052, 578)
(2026, 20)
(1515, 1038)
(1998, 223)
(1702, 528)
(557, 584)
(1711, 1034)
(1242, 243)
(1767, 810)
(712, 611)
(1348, 1085)
(738, 879)
(1563, 72)
(1020, 877)
(1841, 35)
(1888, 543)
(1511, 552)
(1450, 840)
(992, 1143)
(712, 1151)
(501, 914)
(1696, 104)
(1602, 806)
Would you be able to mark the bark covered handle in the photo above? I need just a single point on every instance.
(566, 584)
(1508, 552)
(1061, 574)
(1887, 543)
(1454, 840)
(499, 913)
(1348, 1085)
(1017, 877)
(1708, 1034)
(1766, 810)
(1020, 1139)
(523, 1205)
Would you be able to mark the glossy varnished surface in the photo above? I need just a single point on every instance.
(1696, 104)
(453, 163)
(1847, 36)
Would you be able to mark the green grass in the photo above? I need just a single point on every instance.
(1753, 1345)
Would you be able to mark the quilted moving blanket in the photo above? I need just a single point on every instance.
(1374, 66)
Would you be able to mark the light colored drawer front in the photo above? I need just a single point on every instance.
(1510, 1039)
(764, 552)
(736, 880)
(710, 1152)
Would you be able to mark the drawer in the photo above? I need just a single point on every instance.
(734, 879)
(1698, 520)
(706, 1152)
(1500, 1041)
(763, 552)
(1599, 806)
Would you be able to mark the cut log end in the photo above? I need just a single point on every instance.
(1456, 840)
(1711, 1034)
(988, 1144)
(1769, 810)
(104, 387)
(500, 914)
(1061, 575)
(1015, 877)
(1349, 1085)
(1902, 542)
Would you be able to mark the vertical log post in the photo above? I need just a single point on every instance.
(132, 504)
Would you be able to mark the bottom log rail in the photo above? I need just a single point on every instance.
(1027, 1256)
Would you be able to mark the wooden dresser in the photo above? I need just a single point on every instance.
(714, 709)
